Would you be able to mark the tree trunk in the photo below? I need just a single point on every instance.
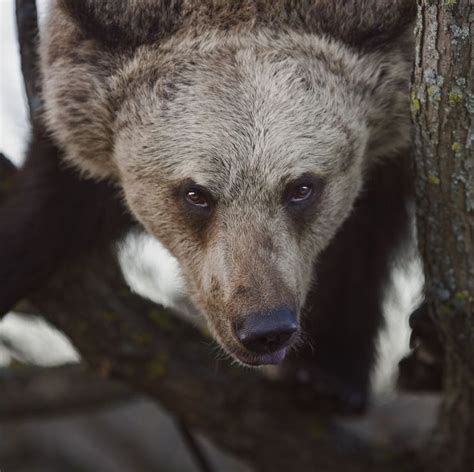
(443, 107)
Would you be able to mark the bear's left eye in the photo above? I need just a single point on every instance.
(302, 191)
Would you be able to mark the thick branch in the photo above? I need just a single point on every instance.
(35, 391)
(270, 424)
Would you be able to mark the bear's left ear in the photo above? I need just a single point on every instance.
(123, 23)
(368, 24)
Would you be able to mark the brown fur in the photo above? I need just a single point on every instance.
(242, 97)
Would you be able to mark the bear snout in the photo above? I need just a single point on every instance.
(267, 332)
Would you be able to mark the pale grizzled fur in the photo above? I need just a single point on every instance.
(243, 102)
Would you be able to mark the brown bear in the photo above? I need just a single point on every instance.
(263, 143)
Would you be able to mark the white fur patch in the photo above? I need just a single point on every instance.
(404, 297)
(154, 273)
(30, 339)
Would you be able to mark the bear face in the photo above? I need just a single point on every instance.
(244, 162)
(242, 152)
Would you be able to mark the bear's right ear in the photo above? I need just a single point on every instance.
(123, 23)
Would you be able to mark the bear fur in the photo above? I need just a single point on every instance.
(243, 103)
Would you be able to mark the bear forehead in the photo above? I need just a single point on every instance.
(244, 116)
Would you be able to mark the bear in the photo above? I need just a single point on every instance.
(265, 144)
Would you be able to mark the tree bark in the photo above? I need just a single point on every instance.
(443, 107)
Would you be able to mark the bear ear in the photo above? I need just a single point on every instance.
(363, 23)
(123, 23)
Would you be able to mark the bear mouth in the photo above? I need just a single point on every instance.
(260, 359)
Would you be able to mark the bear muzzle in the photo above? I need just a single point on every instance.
(267, 335)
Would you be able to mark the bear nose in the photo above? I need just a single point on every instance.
(268, 331)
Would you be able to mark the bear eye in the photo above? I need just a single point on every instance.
(197, 198)
(301, 193)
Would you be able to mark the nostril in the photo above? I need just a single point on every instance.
(267, 332)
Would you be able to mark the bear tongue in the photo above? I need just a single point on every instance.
(273, 358)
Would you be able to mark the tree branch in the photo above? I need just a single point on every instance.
(36, 391)
(270, 424)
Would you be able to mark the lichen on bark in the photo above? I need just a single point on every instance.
(443, 110)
